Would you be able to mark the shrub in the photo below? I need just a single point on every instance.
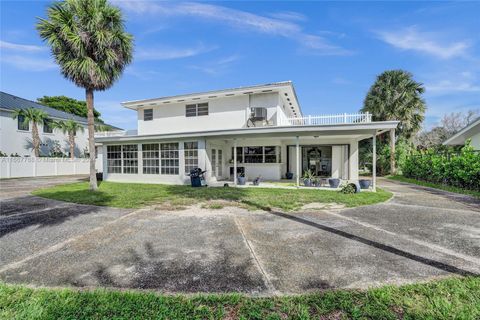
(458, 169)
(349, 189)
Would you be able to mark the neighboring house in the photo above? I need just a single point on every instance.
(257, 130)
(16, 138)
(472, 132)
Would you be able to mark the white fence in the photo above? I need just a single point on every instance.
(16, 167)
(342, 118)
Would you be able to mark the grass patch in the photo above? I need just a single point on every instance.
(452, 298)
(435, 185)
(135, 195)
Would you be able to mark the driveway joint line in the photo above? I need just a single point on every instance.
(433, 247)
(62, 244)
(266, 279)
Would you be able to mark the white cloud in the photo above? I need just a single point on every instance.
(169, 53)
(449, 86)
(425, 42)
(20, 47)
(218, 66)
(28, 63)
(237, 19)
(289, 15)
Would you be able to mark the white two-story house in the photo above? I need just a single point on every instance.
(252, 131)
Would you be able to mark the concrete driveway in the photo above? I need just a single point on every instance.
(420, 234)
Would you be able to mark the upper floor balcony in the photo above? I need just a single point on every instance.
(320, 120)
(280, 120)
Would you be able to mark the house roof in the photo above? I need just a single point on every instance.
(358, 130)
(460, 137)
(11, 103)
(286, 87)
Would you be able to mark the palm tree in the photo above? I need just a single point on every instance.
(35, 116)
(396, 96)
(89, 43)
(69, 127)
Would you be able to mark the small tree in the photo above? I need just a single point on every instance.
(70, 128)
(35, 116)
(89, 43)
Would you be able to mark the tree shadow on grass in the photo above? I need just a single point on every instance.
(153, 269)
(23, 212)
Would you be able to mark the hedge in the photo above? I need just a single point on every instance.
(459, 169)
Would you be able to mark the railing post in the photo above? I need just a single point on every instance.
(345, 117)
(309, 119)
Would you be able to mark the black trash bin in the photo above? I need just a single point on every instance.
(196, 177)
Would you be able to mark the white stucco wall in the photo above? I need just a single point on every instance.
(476, 141)
(224, 113)
(17, 141)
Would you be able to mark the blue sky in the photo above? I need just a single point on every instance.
(332, 51)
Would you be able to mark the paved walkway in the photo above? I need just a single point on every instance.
(420, 234)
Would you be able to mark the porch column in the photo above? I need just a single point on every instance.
(235, 162)
(392, 151)
(374, 161)
(298, 160)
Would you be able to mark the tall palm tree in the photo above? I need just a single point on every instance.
(89, 43)
(35, 116)
(69, 127)
(395, 95)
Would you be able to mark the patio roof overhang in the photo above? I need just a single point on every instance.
(358, 131)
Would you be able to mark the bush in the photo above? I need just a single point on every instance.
(349, 189)
(460, 169)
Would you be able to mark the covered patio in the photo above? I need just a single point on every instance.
(275, 154)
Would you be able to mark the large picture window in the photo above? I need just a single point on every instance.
(169, 158)
(130, 158)
(114, 159)
(191, 156)
(151, 161)
(195, 110)
(267, 154)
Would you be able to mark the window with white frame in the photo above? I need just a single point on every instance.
(258, 154)
(195, 110)
(114, 159)
(169, 158)
(190, 155)
(147, 114)
(130, 158)
(151, 160)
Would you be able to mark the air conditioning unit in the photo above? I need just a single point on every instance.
(258, 114)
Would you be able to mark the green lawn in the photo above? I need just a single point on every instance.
(453, 298)
(134, 195)
(436, 185)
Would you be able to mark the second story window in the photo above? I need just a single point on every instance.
(22, 125)
(147, 114)
(195, 110)
(47, 126)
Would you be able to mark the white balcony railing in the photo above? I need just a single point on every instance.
(344, 118)
(115, 133)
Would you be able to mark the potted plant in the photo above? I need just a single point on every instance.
(241, 179)
(307, 178)
(334, 182)
(289, 175)
(364, 183)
